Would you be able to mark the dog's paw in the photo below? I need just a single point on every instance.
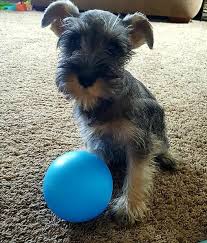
(124, 212)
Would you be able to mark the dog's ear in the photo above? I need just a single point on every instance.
(140, 30)
(56, 12)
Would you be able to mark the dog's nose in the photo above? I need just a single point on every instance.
(86, 80)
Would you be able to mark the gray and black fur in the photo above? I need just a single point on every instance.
(119, 119)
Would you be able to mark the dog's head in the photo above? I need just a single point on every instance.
(94, 47)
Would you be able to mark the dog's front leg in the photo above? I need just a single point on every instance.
(132, 204)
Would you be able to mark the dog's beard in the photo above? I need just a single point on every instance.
(86, 97)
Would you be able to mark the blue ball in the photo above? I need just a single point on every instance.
(77, 186)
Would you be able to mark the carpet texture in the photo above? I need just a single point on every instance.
(36, 126)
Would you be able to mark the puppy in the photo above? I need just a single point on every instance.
(119, 119)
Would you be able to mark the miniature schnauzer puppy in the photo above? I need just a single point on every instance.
(119, 119)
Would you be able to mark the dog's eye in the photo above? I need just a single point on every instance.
(114, 48)
(108, 75)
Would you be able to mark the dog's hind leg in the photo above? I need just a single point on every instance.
(166, 161)
(162, 156)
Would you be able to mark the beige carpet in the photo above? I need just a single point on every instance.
(37, 126)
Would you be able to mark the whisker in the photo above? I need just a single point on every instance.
(109, 23)
(116, 21)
